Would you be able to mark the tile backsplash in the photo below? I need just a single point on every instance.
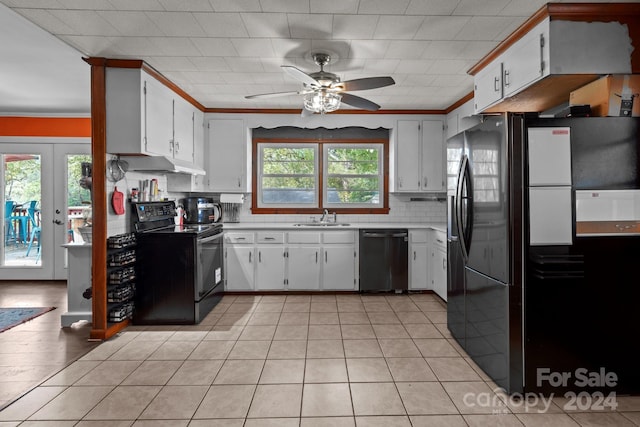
(118, 224)
(402, 210)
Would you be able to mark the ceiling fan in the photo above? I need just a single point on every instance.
(323, 91)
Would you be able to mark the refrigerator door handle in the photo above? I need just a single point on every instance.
(458, 203)
(464, 233)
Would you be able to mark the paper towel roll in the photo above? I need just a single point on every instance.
(232, 198)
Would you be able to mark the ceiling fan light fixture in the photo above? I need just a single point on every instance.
(322, 102)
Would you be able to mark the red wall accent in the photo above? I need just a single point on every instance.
(46, 126)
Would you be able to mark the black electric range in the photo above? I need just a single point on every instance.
(179, 267)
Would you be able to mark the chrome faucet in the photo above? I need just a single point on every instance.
(325, 213)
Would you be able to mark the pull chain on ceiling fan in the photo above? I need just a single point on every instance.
(323, 91)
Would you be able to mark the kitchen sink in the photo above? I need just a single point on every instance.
(321, 224)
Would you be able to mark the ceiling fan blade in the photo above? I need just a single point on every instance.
(366, 83)
(272, 95)
(358, 102)
(298, 74)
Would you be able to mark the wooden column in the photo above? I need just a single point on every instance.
(100, 328)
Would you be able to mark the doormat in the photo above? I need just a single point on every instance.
(10, 317)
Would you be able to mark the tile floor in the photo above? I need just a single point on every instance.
(298, 360)
(39, 348)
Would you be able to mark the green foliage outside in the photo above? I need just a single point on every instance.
(353, 173)
(76, 195)
(22, 180)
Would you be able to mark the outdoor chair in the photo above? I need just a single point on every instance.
(35, 228)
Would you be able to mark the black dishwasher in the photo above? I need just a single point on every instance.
(384, 260)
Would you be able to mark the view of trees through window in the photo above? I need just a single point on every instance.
(22, 179)
(353, 175)
(289, 174)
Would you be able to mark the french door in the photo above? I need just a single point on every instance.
(43, 207)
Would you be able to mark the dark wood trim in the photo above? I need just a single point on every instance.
(527, 26)
(99, 202)
(111, 330)
(588, 11)
(297, 111)
(320, 142)
(546, 93)
(626, 13)
(137, 63)
(458, 103)
(168, 83)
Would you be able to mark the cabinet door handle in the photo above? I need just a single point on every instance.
(542, 64)
(444, 263)
(414, 255)
(439, 241)
(269, 238)
(326, 260)
(316, 257)
(259, 256)
(506, 78)
(496, 84)
(426, 180)
(176, 146)
(239, 182)
(241, 238)
(249, 257)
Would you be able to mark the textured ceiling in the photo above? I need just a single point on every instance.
(218, 51)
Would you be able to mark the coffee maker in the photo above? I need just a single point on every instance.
(201, 210)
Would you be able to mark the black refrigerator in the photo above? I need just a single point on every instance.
(528, 298)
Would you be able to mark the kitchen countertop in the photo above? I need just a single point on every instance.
(438, 226)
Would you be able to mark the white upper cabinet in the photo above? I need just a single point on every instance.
(487, 88)
(227, 158)
(408, 156)
(420, 156)
(158, 128)
(146, 117)
(527, 61)
(571, 52)
(183, 130)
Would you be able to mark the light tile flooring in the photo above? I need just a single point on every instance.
(35, 350)
(296, 360)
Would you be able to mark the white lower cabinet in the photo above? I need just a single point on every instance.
(339, 268)
(419, 257)
(438, 263)
(304, 261)
(439, 273)
(270, 267)
(239, 261)
(304, 267)
(239, 267)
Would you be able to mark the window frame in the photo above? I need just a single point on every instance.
(325, 188)
(382, 208)
(260, 176)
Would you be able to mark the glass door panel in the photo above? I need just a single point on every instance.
(24, 251)
(72, 202)
(22, 222)
(44, 205)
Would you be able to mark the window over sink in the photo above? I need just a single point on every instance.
(308, 170)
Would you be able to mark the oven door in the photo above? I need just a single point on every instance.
(209, 271)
